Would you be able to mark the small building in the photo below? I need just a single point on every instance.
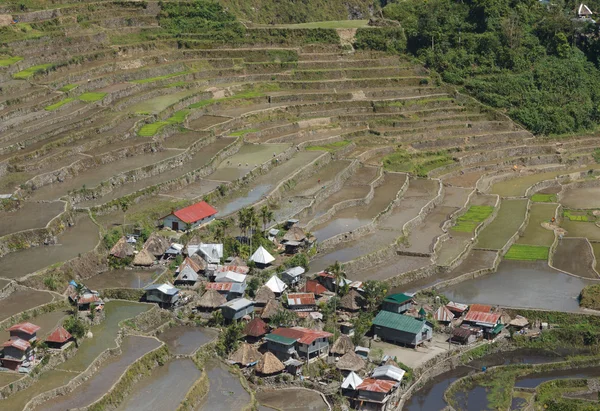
(246, 355)
(156, 245)
(263, 296)
(401, 329)
(294, 240)
(211, 253)
(174, 250)
(211, 300)
(230, 277)
(166, 295)
(24, 331)
(389, 373)
(342, 346)
(301, 301)
(190, 217)
(519, 322)
(463, 335)
(269, 365)
(489, 322)
(16, 353)
(276, 285)
(350, 384)
(315, 287)
(352, 301)
(347, 328)
(350, 362)
(362, 352)
(187, 272)
(457, 308)
(272, 234)
(292, 276)
(309, 344)
(270, 309)
(256, 328)
(213, 270)
(262, 258)
(283, 347)
(59, 338)
(376, 393)
(237, 308)
(583, 11)
(89, 299)
(293, 366)
(443, 315)
(122, 249)
(482, 308)
(398, 303)
(230, 291)
(143, 259)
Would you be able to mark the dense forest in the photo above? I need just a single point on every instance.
(536, 60)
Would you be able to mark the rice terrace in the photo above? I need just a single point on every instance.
(272, 205)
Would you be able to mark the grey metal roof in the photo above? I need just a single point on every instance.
(165, 288)
(238, 288)
(187, 274)
(238, 304)
(389, 371)
(295, 271)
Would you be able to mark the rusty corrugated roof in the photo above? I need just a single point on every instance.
(479, 317)
(301, 334)
(374, 385)
(301, 299)
(218, 286)
(481, 308)
(17, 343)
(59, 335)
(28, 328)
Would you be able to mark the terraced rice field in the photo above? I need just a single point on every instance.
(510, 217)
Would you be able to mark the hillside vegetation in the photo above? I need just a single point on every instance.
(533, 60)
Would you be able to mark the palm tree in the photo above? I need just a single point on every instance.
(338, 273)
(266, 215)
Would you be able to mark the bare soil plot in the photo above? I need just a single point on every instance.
(204, 122)
(452, 247)
(122, 278)
(505, 225)
(157, 104)
(534, 233)
(194, 190)
(456, 196)
(392, 268)
(581, 229)
(320, 178)
(29, 215)
(8, 378)
(584, 197)
(575, 256)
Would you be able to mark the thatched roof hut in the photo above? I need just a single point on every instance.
(246, 354)
(122, 249)
(143, 258)
(211, 299)
(350, 362)
(264, 295)
(269, 364)
(237, 261)
(270, 309)
(256, 328)
(156, 244)
(342, 345)
(294, 234)
(519, 322)
(351, 301)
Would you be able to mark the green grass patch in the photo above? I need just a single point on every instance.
(68, 87)
(31, 71)
(329, 147)
(544, 198)
(420, 163)
(158, 78)
(239, 96)
(590, 297)
(151, 129)
(334, 24)
(243, 132)
(474, 216)
(5, 62)
(524, 252)
(575, 217)
(92, 97)
(61, 103)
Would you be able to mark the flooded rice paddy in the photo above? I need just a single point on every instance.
(248, 157)
(522, 284)
(132, 348)
(581, 229)
(8, 378)
(225, 393)
(122, 278)
(534, 233)
(75, 240)
(185, 340)
(583, 197)
(164, 388)
(21, 301)
(47, 381)
(292, 399)
(575, 256)
(504, 226)
(30, 215)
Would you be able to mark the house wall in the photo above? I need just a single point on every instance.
(403, 337)
(374, 396)
(231, 314)
(303, 308)
(283, 352)
(170, 219)
(13, 352)
(156, 296)
(397, 308)
(23, 335)
(319, 345)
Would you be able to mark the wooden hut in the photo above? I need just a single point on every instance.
(350, 362)
(58, 338)
(156, 245)
(144, 258)
(351, 301)
(122, 249)
(269, 365)
(270, 309)
(245, 355)
(256, 328)
(263, 296)
(342, 346)
(211, 300)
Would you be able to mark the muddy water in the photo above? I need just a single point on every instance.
(47, 322)
(157, 104)
(122, 278)
(575, 256)
(351, 218)
(30, 215)
(99, 384)
(522, 284)
(504, 226)
(199, 160)
(581, 229)
(80, 238)
(392, 267)
(164, 389)
(226, 393)
(248, 157)
(322, 177)
(533, 380)
(104, 333)
(466, 179)
(194, 190)
(22, 300)
(422, 236)
(184, 340)
(584, 197)
(534, 233)
(431, 396)
(94, 176)
(252, 196)
(295, 399)
(347, 192)
(46, 382)
(452, 247)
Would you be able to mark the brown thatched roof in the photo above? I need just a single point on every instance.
(342, 345)
(264, 295)
(211, 299)
(519, 321)
(350, 362)
(245, 354)
(270, 309)
(351, 301)
(144, 258)
(269, 364)
(122, 249)
(294, 234)
(256, 328)
(156, 244)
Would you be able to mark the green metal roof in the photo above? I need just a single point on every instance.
(422, 311)
(280, 339)
(398, 298)
(498, 328)
(398, 322)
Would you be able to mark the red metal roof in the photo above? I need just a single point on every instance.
(17, 343)
(25, 328)
(481, 308)
(302, 335)
(482, 318)
(59, 335)
(218, 286)
(374, 385)
(240, 269)
(443, 314)
(193, 265)
(88, 299)
(256, 328)
(301, 299)
(313, 286)
(195, 212)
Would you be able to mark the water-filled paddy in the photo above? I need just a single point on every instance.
(164, 388)
(575, 256)
(102, 380)
(225, 393)
(322, 177)
(584, 197)
(534, 233)
(581, 229)
(8, 378)
(22, 300)
(157, 104)
(122, 278)
(47, 381)
(80, 238)
(185, 340)
(293, 399)
(248, 157)
(504, 226)
(522, 284)
(28, 216)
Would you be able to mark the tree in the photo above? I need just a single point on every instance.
(266, 215)
(362, 324)
(216, 319)
(374, 293)
(284, 317)
(75, 326)
(229, 338)
(338, 273)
